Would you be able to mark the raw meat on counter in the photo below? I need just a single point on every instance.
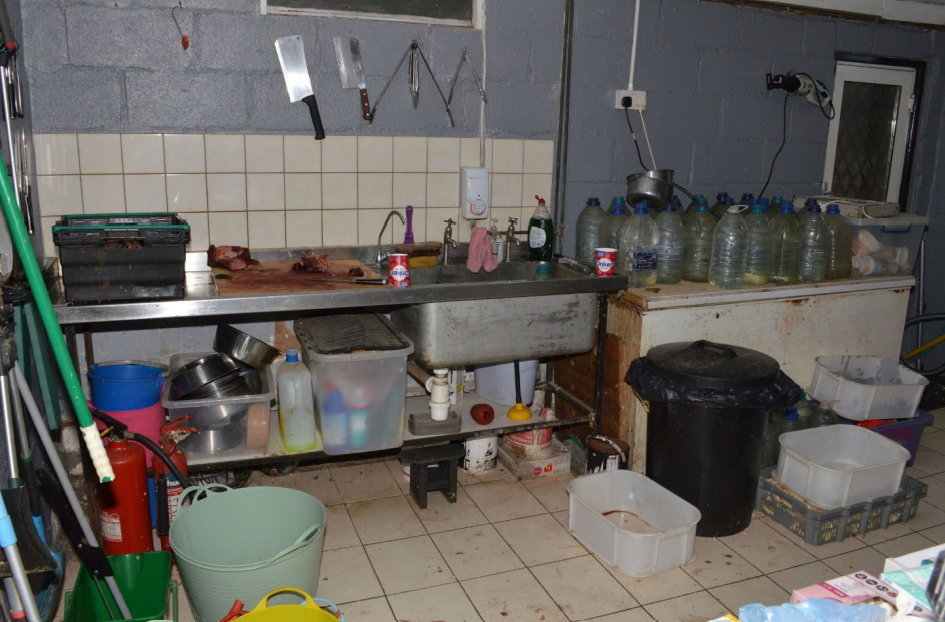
(319, 264)
(229, 257)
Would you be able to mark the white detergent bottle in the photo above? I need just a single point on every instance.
(296, 405)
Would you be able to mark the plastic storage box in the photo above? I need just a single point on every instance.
(819, 526)
(359, 374)
(556, 461)
(224, 422)
(631, 522)
(107, 257)
(839, 465)
(867, 387)
(886, 246)
(906, 432)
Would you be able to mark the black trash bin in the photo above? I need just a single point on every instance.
(708, 408)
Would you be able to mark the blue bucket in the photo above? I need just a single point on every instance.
(126, 385)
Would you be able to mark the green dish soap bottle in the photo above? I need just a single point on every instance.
(541, 233)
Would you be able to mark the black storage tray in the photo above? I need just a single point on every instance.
(97, 268)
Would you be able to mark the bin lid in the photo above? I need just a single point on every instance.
(713, 373)
(709, 364)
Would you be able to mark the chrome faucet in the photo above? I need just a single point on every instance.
(510, 239)
(448, 240)
(383, 254)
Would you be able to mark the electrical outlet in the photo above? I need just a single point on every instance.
(637, 99)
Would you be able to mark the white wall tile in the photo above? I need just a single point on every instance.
(506, 190)
(184, 153)
(265, 191)
(199, 231)
(99, 153)
(507, 155)
(536, 183)
(142, 153)
(145, 193)
(103, 193)
(303, 191)
(226, 153)
(226, 192)
(303, 154)
(339, 227)
(369, 226)
(59, 194)
(264, 154)
(443, 190)
(539, 156)
(56, 154)
(469, 152)
(442, 155)
(410, 154)
(340, 154)
(374, 190)
(187, 192)
(49, 245)
(410, 189)
(228, 228)
(267, 229)
(339, 190)
(375, 154)
(303, 229)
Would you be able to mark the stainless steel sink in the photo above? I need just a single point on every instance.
(493, 330)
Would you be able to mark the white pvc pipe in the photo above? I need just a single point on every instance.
(633, 44)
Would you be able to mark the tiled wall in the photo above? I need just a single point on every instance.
(274, 191)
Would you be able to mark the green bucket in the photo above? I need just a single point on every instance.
(242, 544)
(144, 580)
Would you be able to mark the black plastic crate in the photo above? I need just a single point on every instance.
(111, 257)
(819, 526)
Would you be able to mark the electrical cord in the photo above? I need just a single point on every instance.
(626, 111)
(781, 148)
(820, 99)
(926, 317)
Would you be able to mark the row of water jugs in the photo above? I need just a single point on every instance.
(728, 245)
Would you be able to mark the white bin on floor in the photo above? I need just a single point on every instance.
(631, 522)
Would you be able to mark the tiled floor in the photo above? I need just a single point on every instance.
(503, 552)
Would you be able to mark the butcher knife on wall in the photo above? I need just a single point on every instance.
(297, 81)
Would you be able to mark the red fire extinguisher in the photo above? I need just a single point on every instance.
(169, 488)
(123, 502)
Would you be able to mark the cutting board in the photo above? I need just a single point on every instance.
(280, 278)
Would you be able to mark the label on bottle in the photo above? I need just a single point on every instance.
(644, 259)
(111, 526)
(174, 490)
(536, 237)
(334, 429)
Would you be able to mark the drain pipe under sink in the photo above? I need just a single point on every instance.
(437, 385)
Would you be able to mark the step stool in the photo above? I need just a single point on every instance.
(433, 468)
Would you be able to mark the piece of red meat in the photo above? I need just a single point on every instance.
(355, 271)
(311, 262)
(229, 257)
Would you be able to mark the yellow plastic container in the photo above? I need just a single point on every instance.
(310, 611)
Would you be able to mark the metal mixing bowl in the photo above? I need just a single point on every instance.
(242, 347)
(654, 187)
(196, 374)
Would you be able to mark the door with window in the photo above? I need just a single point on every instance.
(869, 142)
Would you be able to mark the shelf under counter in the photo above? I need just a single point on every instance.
(274, 454)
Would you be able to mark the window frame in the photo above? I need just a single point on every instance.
(271, 7)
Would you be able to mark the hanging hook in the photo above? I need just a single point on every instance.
(184, 39)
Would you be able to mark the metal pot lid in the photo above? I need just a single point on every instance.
(712, 365)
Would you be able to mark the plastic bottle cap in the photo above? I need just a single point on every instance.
(593, 201)
(833, 208)
(787, 207)
(618, 201)
(814, 208)
(762, 201)
(791, 414)
(758, 208)
(543, 267)
(292, 355)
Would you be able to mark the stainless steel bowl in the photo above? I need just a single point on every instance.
(242, 347)
(198, 373)
(214, 440)
(654, 187)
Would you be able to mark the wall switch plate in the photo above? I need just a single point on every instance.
(474, 193)
(637, 99)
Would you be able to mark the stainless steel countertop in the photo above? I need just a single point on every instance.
(201, 298)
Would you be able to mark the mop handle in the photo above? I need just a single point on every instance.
(8, 543)
(57, 341)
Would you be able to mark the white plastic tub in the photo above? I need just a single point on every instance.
(631, 522)
(839, 465)
(867, 387)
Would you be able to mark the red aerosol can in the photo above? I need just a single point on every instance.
(169, 489)
(123, 502)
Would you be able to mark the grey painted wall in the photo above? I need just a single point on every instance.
(117, 66)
